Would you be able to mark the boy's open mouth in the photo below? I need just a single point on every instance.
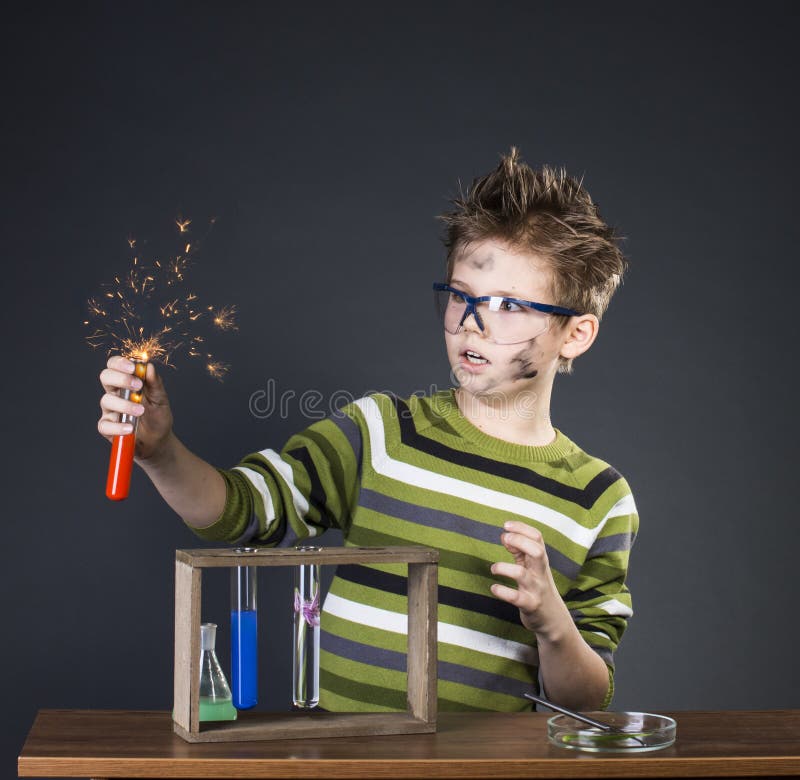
(471, 356)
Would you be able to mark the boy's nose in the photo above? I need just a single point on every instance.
(470, 323)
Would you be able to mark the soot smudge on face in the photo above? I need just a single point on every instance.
(523, 363)
(482, 263)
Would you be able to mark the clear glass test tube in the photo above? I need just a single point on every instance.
(305, 659)
(244, 640)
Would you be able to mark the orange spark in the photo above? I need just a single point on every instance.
(217, 369)
(224, 318)
(147, 310)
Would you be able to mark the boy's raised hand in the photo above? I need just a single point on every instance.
(541, 608)
(155, 416)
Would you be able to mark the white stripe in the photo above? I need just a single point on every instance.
(298, 499)
(502, 502)
(625, 506)
(614, 607)
(397, 623)
(260, 485)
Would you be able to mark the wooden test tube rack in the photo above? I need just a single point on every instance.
(421, 662)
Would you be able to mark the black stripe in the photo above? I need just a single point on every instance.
(583, 497)
(451, 597)
(585, 595)
(333, 458)
(317, 497)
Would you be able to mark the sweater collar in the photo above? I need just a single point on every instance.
(446, 406)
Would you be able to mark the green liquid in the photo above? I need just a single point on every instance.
(216, 709)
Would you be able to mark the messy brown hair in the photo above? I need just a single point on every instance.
(548, 213)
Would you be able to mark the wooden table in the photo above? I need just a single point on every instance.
(112, 743)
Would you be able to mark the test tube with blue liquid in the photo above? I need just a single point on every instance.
(244, 640)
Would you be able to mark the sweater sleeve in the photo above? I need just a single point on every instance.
(599, 601)
(279, 499)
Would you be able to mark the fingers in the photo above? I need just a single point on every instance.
(530, 565)
(535, 595)
(529, 545)
(111, 428)
(154, 387)
(505, 593)
(118, 375)
(515, 527)
(110, 424)
(121, 363)
(111, 402)
(529, 579)
(513, 571)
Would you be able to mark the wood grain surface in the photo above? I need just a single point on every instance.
(105, 744)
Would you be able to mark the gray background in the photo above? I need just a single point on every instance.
(324, 140)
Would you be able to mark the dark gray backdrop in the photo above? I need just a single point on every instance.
(324, 139)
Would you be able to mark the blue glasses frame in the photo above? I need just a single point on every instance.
(545, 308)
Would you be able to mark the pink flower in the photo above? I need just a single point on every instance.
(310, 609)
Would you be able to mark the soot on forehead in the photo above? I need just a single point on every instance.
(485, 263)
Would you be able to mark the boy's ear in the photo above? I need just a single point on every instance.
(579, 335)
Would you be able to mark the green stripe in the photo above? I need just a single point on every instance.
(478, 698)
(376, 695)
(334, 702)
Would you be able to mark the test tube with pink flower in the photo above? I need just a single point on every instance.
(305, 666)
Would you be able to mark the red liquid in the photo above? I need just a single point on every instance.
(120, 467)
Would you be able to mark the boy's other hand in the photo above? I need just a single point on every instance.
(154, 413)
(541, 608)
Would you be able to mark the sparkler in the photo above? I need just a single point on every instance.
(149, 314)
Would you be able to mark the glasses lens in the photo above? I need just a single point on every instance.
(451, 308)
(504, 322)
(511, 323)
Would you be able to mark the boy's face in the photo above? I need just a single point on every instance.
(491, 267)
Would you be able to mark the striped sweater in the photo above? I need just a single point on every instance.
(388, 471)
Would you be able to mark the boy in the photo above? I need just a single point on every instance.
(477, 471)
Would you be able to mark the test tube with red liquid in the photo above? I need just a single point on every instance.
(120, 466)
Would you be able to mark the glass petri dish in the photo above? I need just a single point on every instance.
(635, 732)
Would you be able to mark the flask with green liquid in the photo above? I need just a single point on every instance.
(215, 694)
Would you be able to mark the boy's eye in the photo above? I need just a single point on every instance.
(456, 298)
(509, 306)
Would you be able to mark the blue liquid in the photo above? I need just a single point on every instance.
(244, 652)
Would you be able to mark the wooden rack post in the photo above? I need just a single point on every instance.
(421, 664)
